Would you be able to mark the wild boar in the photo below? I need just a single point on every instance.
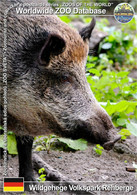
(47, 87)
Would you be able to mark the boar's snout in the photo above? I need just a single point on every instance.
(95, 131)
(113, 138)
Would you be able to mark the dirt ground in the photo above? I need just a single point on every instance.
(87, 166)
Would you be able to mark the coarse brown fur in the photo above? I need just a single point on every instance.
(40, 100)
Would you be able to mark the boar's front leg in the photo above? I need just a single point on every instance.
(24, 146)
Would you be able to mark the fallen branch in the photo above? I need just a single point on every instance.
(129, 169)
(55, 176)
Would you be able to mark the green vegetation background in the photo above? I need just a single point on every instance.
(108, 73)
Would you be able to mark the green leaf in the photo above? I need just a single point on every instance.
(39, 148)
(106, 45)
(129, 109)
(42, 176)
(124, 133)
(41, 170)
(1, 141)
(10, 133)
(12, 144)
(132, 127)
(123, 106)
(65, 19)
(122, 74)
(90, 80)
(79, 144)
(90, 65)
(94, 71)
(99, 147)
(111, 38)
(134, 95)
(135, 113)
(102, 82)
(123, 137)
(98, 151)
(121, 121)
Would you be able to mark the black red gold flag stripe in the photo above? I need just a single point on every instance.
(13, 184)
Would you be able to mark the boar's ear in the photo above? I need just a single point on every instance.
(86, 31)
(53, 46)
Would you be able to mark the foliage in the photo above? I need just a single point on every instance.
(123, 114)
(44, 142)
(119, 48)
(98, 149)
(79, 144)
(66, 19)
(113, 86)
(132, 127)
(54, 142)
(124, 133)
(116, 91)
(11, 142)
(42, 176)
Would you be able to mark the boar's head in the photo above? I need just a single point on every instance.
(49, 83)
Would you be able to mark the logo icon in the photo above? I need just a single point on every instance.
(13, 184)
(124, 12)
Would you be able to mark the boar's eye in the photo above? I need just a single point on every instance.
(66, 79)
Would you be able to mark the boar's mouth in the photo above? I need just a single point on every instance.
(94, 134)
(113, 138)
(109, 145)
(94, 130)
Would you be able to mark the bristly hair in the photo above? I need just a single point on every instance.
(26, 53)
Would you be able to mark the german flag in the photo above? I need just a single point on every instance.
(13, 184)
